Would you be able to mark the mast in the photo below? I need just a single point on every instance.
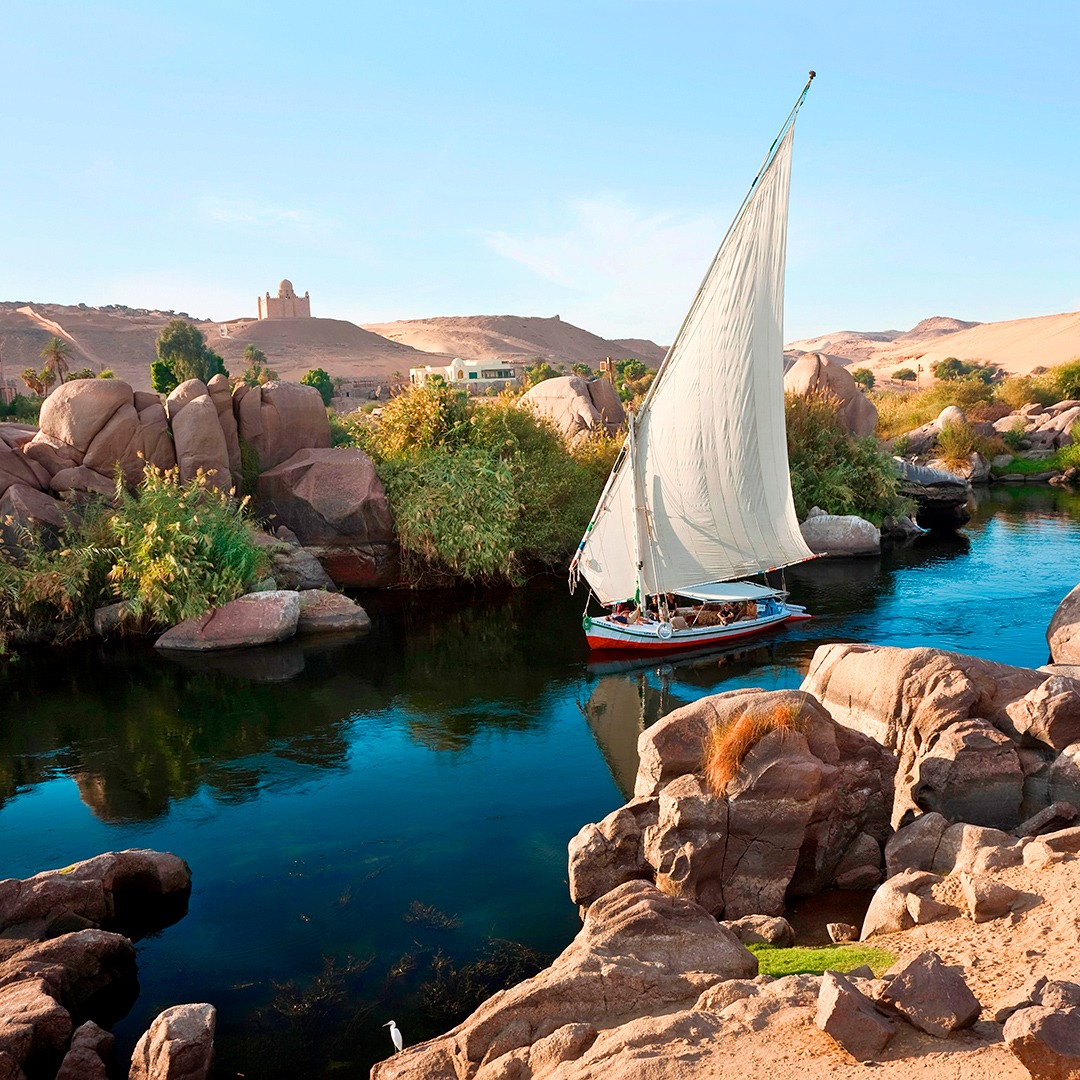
(641, 521)
(701, 492)
(650, 393)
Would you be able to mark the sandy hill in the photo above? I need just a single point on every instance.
(294, 346)
(1016, 345)
(490, 337)
(116, 337)
(123, 339)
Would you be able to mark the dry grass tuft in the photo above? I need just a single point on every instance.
(727, 745)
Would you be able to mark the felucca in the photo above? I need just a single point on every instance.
(700, 495)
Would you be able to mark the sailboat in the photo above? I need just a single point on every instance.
(700, 495)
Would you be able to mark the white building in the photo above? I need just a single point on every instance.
(472, 375)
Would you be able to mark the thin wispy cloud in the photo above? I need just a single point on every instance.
(634, 269)
(252, 212)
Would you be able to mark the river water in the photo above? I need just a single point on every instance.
(377, 828)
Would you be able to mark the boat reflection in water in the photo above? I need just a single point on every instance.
(627, 696)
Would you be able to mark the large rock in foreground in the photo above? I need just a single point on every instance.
(334, 502)
(61, 962)
(975, 739)
(1063, 633)
(807, 807)
(639, 952)
(256, 619)
(179, 1045)
(102, 891)
(840, 534)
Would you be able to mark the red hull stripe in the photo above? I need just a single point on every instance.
(628, 644)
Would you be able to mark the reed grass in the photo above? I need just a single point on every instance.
(727, 745)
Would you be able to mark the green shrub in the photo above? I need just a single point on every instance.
(864, 377)
(904, 374)
(957, 442)
(833, 470)
(422, 418)
(23, 409)
(172, 551)
(53, 589)
(900, 411)
(183, 548)
(1064, 381)
(455, 512)
(320, 379)
(1014, 436)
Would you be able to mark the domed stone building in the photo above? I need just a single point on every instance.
(286, 305)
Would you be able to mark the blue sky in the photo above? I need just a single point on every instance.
(405, 159)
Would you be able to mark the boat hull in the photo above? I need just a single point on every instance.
(604, 635)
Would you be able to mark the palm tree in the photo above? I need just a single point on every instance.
(55, 353)
(33, 381)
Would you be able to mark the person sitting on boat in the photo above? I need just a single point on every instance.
(621, 613)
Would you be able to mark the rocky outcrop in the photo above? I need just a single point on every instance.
(179, 1045)
(575, 406)
(638, 952)
(904, 901)
(1063, 633)
(27, 510)
(941, 496)
(806, 807)
(99, 425)
(279, 419)
(608, 404)
(323, 612)
(101, 891)
(840, 535)
(292, 566)
(931, 996)
(44, 983)
(815, 374)
(200, 442)
(334, 503)
(256, 619)
(975, 739)
(57, 962)
(851, 1019)
(91, 1048)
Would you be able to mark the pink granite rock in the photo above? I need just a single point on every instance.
(255, 619)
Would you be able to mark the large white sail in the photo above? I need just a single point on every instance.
(713, 494)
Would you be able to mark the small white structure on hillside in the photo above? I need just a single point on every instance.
(472, 375)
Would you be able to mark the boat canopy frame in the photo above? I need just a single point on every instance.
(729, 591)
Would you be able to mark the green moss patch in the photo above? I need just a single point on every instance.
(817, 960)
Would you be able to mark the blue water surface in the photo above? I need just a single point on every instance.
(322, 792)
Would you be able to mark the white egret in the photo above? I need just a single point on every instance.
(399, 1042)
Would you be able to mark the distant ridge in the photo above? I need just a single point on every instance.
(1016, 345)
(123, 338)
(488, 337)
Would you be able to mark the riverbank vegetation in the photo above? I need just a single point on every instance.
(981, 398)
(838, 472)
(168, 552)
(483, 490)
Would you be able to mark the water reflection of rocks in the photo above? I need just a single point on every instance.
(136, 730)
